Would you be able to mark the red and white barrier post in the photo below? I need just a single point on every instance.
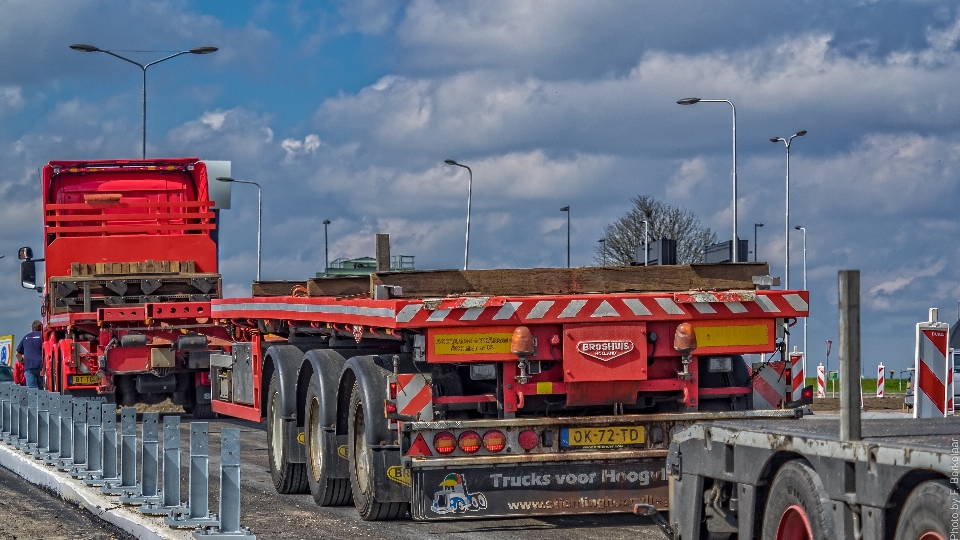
(951, 381)
(930, 393)
(880, 381)
(821, 382)
(797, 380)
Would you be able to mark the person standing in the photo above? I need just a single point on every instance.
(30, 353)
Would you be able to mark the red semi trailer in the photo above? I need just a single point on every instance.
(451, 395)
(130, 254)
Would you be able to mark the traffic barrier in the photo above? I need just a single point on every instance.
(797, 380)
(769, 385)
(197, 512)
(821, 382)
(880, 380)
(79, 436)
(930, 394)
(951, 382)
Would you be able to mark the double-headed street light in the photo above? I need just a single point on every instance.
(804, 231)
(691, 101)
(90, 48)
(259, 208)
(786, 227)
(567, 210)
(466, 250)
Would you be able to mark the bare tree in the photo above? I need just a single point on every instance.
(664, 221)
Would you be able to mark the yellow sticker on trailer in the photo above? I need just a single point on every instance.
(492, 343)
(730, 336)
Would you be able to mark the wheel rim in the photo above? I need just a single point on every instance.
(315, 436)
(276, 434)
(360, 452)
(931, 535)
(794, 524)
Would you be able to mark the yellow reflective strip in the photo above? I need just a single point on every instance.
(725, 336)
(544, 388)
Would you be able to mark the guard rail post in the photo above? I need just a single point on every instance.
(128, 454)
(197, 511)
(170, 494)
(79, 437)
(4, 411)
(147, 489)
(229, 510)
(43, 423)
(33, 431)
(24, 425)
(53, 426)
(65, 456)
(109, 448)
(94, 474)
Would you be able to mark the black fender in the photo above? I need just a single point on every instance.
(286, 360)
(391, 482)
(325, 366)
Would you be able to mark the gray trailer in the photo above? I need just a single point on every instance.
(818, 478)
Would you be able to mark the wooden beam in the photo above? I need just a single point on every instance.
(534, 281)
(342, 286)
(275, 288)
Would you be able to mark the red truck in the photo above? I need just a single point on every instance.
(491, 393)
(130, 254)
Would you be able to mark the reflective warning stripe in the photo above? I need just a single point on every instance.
(931, 363)
(769, 385)
(797, 376)
(821, 382)
(880, 380)
(414, 396)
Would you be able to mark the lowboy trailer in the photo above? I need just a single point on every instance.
(451, 395)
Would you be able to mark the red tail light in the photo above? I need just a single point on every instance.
(444, 442)
(494, 440)
(389, 408)
(528, 439)
(393, 390)
(469, 441)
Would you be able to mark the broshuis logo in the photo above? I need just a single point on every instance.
(606, 349)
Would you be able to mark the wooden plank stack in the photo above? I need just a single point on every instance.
(127, 268)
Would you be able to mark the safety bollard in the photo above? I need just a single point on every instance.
(170, 494)
(128, 454)
(24, 409)
(53, 427)
(147, 490)
(108, 449)
(229, 509)
(65, 457)
(5, 391)
(94, 473)
(197, 511)
(79, 461)
(43, 419)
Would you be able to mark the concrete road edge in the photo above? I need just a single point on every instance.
(101, 506)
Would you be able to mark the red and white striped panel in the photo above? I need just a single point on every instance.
(880, 380)
(930, 396)
(821, 382)
(414, 396)
(593, 308)
(769, 385)
(797, 375)
(951, 382)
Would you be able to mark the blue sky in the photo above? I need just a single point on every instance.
(346, 110)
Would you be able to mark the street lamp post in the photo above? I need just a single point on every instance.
(259, 208)
(90, 48)
(804, 231)
(466, 250)
(603, 243)
(326, 252)
(786, 227)
(756, 247)
(567, 210)
(646, 241)
(691, 101)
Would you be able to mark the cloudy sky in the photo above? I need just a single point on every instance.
(346, 110)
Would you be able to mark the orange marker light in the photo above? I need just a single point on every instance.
(522, 342)
(684, 339)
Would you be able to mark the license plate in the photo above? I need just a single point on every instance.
(82, 379)
(611, 437)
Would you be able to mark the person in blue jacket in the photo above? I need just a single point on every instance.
(30, 353)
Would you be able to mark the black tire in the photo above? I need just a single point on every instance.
(797, 500)
(201, 411)
(361, 469)
(928, 511)
(326, 491)
(287, 477)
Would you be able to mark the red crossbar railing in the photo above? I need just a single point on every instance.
(97, 218)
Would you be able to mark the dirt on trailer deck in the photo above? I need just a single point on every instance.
(890, 403)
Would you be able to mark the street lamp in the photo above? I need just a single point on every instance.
(259, 208)
(756, 247)
(804, 231)
(786, 227)
(603, 242)
(90, 48)
(691, 101)
(646, 240)
(567, 210)
(466, 250)
(326, 252)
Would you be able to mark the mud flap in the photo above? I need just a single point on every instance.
(537, 489)
(294, 442)
(391, 480)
